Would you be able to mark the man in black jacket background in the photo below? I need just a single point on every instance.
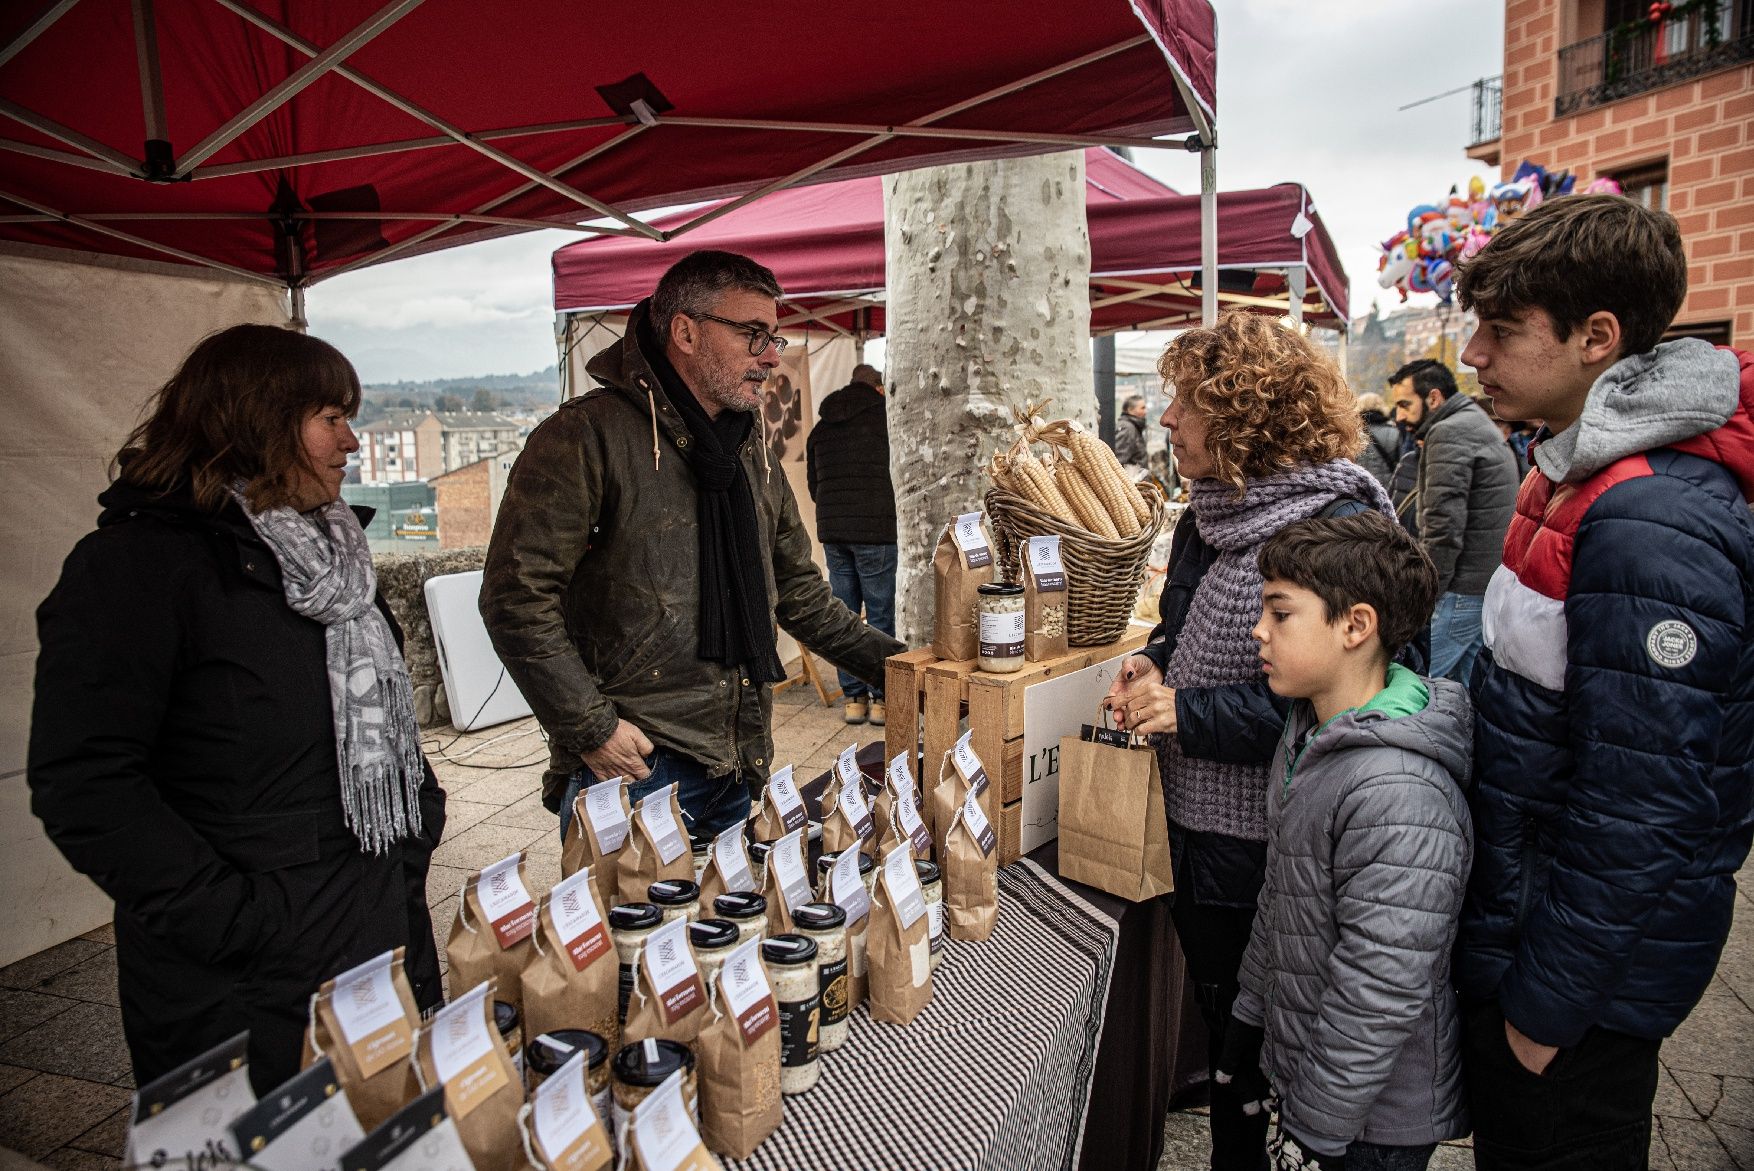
(848, 462)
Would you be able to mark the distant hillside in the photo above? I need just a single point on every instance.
(480, 392)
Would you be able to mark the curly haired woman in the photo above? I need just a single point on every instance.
(1264, 429)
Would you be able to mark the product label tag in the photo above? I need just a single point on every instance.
(1002, 635)
(854, 807)
(800, 1029)
(848, 889)
(904, 886)
(462, 1052)
(744, 992)
(907, 816)
(373, 1023)
(901, 777)
(568, 1133)
(506, 903)
(935, 925)
(969, 765)
(731, 856)
(786, 863)
(664, 1134)
(603, 812)
(577, 924)
(669, 962)
(420, 1136)
(184, 1118)
(1045, 565)
(782, 791)
(978, 826)
(660, 822)
(846, 765)
(304, 1125)
(971, 539)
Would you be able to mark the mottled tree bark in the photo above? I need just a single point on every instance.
(989, 305)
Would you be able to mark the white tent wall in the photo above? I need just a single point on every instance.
(87, 340)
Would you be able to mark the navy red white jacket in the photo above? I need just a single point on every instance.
(1614, 739)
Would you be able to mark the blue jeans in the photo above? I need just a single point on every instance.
(710, 805)
(1455, 636)
(863, 576)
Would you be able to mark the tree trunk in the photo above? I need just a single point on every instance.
(989, 305)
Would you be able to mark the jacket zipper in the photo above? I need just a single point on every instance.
(1526, 880)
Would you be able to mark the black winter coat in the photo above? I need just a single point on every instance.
(848, 462)
(182, 755)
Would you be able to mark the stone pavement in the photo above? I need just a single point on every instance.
(65, 1082)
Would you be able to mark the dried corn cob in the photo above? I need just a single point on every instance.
(1084, 503)
(1102, 471)
(1038, 487)
(999, 472)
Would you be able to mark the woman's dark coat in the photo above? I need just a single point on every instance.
(182, 755)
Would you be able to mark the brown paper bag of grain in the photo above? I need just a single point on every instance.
(786, 884)
(582, 846)
(898, 950)
(483, 1092)
(661, 1136)
(657, 847)
(669, 1000)
(727, 869)
(847, 822)
(957, 575)
(490, 937)
(1044, 599)
(971, 864)
(374, 1069)
(572, 981)
(782, 807)
(739, 1054)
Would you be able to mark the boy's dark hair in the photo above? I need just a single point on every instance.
(1428, 374)
(1345, 560)
(1578, 255)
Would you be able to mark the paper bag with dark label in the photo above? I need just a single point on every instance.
(657, 847)
(971, 862)
(897, 945)
(364, 1021)
(787, 884)
(669, 1001)
(1044, 599)
(1113, 831)
(727, 869)
(782, 807)
(739, 1051)
(846, 817)
(961, 564)
(572, 981)
(597, 834)
(490, 937)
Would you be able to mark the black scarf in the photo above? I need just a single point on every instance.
(736, 621)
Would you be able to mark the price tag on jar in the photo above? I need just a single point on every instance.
(576, 921)
(968, 764)
(978, 825)
(744, 991)
(660, 823)
(568, 1133)
(971, 538)
(731, 856)
(847, 887)
(670, 967)
(782, 790)
(1045, 564)
(785, 862)
(603, 813)
(903, 883)
(505, 900)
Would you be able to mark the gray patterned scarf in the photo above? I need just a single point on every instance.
(1216, 648)
(326, 567)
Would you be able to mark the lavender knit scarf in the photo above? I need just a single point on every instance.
(1215, 647)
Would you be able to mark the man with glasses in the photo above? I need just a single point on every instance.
(645, 548)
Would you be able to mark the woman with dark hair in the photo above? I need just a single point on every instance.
(1264, 430)
(223, 735)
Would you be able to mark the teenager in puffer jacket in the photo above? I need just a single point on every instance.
(1614, 742)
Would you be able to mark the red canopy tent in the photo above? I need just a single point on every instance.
(289, 140)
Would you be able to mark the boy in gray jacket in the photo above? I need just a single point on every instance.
(1346, 1009)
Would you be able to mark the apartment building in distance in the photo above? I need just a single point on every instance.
(424, 445)
(1665, 106)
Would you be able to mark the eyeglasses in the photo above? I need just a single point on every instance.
(759, 338)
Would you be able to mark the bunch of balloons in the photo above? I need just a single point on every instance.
(1422, 257)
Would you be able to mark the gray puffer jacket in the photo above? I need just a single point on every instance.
(1467, 491)
(1348, 968)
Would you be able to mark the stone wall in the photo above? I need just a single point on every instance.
(402, 578)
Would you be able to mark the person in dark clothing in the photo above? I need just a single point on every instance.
(1130, 433)
(1265, 431)
(1382, 439)
(847, 459)
(223, 735)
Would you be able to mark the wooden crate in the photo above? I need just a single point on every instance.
(927, 699)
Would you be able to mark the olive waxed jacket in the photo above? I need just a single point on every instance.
(591, 593)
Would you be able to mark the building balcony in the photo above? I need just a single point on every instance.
(1622, 63)
(1488, 121)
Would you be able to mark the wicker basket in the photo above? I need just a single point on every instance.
(1102, 576)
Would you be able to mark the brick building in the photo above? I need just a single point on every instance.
(1595, 87)
(468, 500)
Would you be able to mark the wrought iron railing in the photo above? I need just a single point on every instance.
(1623, 62)
(1488, 124)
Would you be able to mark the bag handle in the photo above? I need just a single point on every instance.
(1103, 714)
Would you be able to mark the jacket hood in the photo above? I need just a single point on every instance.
(1685, 394)
(851, 401)
(1442, 729)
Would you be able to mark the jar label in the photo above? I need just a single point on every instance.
(373, 1023)
(462, 1052)
(505, 901)
(604, 814)
(853, 806)
(744, 991)
(971, 538)
(785, 863)
(569, 1135)
(847, 887)
(903, 883)
(783, 793)
(979, 828)
(907, 816)
(660, 824)
(1002, 635)
(669, 962)
(731, 856)
(664, 1133)
(625, 986)
(800, 1027)
(935, 921)
(834, 992)
(577, 923)
(1045, 565)
(968, 764)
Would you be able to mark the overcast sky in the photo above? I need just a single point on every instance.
(1307, 92)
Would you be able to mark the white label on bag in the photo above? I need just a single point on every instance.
(846, 765)
(731, 856)
(744, 991)
(576, 920)
(184, 1118)
(907, 816)
(978, 826)
(1045, 564)
(904, 886)
(567, 1129)
(901, 777)
(462, 1052)
(847, 888)
(669, 962)
(853, 806)
(365, 999)
(968, 764)
(660, 823)
(603, 811)
(786, 863)
(662, 1130)
(505, 900)
(966, 531)
(783, 792)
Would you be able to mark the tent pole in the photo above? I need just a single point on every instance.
(160, 162)
(1208, 233)
(34, 29)
(299, 321)
(1296, 282)
(1103, 359)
